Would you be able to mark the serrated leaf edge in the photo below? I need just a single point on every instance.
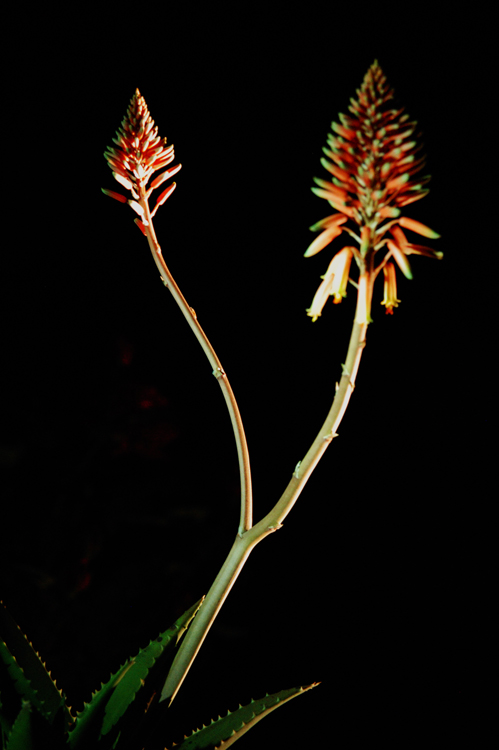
(246, 726)
(105, 690)
(32, 694)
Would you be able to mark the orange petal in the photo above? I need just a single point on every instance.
(325, 237)
(123, 180)
(348, 210)
(136, 207)
(406, 198)
(166, 194)
(400, 259)
(116, 196)
(389, 212)
(162, 177)
(399, 236)
(416, 226)
(397, 182)
(328, 221)
(340, 192)
(390, 288)
(161, 161)
(338, 172)
(345, 132)
(423, 250)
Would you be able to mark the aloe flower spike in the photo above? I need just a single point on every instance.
(372, 159)
(140, 152)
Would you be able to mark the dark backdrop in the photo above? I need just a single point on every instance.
(119, 473)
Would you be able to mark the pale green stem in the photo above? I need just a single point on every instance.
(244, 544)
(246, 516)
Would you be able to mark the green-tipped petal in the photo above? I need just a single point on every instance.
(116, 196)
(418, 227)
(400, 258)
(329, 221)
(320, 242)
(423, 250)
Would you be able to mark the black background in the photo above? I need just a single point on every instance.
(120, 480)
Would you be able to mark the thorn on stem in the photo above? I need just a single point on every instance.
(344, 372)
(330, 437)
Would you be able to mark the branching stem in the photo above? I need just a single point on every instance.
(246, 542)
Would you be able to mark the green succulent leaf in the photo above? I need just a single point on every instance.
(100, 723)
(28, 678)
(21, 735)
(14, 687)
(32, 731)
(225, 731)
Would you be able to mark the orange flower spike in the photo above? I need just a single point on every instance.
(373, 157)
(390, 288)
(138, 153)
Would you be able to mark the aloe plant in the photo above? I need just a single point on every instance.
(34, 712)
(373, 159)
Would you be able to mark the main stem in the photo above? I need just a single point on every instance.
(246, 515)
(246, 542)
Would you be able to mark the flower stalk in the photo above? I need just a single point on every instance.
(245, 543)
(138, 154)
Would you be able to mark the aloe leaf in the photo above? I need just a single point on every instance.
(101, 719)
(13, 688)
(32, 731)
(21, 736)
(226, 730)
(28, 674)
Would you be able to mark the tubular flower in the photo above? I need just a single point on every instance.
(373, 159)
(140, 152)
(390, 297)
(334, 283)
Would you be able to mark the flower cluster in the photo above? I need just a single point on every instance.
(138, 154)
(373, 158)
